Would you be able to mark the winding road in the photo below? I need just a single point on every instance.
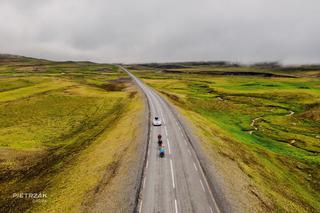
(177, 182)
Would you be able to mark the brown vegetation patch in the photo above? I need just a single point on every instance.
(14, 161)
(172, 96)
(312, 114)
(115, 85)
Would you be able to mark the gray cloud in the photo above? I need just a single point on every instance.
(162, 30)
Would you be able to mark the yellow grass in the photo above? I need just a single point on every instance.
(72, 186)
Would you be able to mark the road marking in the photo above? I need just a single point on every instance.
(176, 205)
(147, 164)
(195, 166)
(207, 184)
(211, 209)
(185, 142)
(173, 185)
(164, 121)
(151, 104)
(181, 133)
(140, 206)
(165, 129)
(169, 146)
(144, 181)
(202, 186)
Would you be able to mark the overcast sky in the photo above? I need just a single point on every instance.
(162, 30)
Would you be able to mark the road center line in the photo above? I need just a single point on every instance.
(162, 117)
(169, 146)
(165, 129)
(202, 186)
(147, 164)
(173, 184)
(176, 205)
(144, 181)
(195, 166)
(185, 142)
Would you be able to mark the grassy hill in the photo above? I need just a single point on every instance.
(59, 124)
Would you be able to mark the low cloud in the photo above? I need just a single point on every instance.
(162, 30)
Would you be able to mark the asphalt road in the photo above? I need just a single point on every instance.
(175, 183)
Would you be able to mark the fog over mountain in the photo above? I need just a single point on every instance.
(162, 30)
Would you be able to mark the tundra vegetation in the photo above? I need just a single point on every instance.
(63, 132)
(265, 117)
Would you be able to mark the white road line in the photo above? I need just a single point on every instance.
(207, 184)
(144, 181)
(211, 209)
(151, 104)
(173, 184)
(164, 121)
(181, 133)
(202, 186)
(185, 142)
(147, 164)
(165, 129)
(195, 166)
(169, 146)
(140, 207)
(176, 205)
